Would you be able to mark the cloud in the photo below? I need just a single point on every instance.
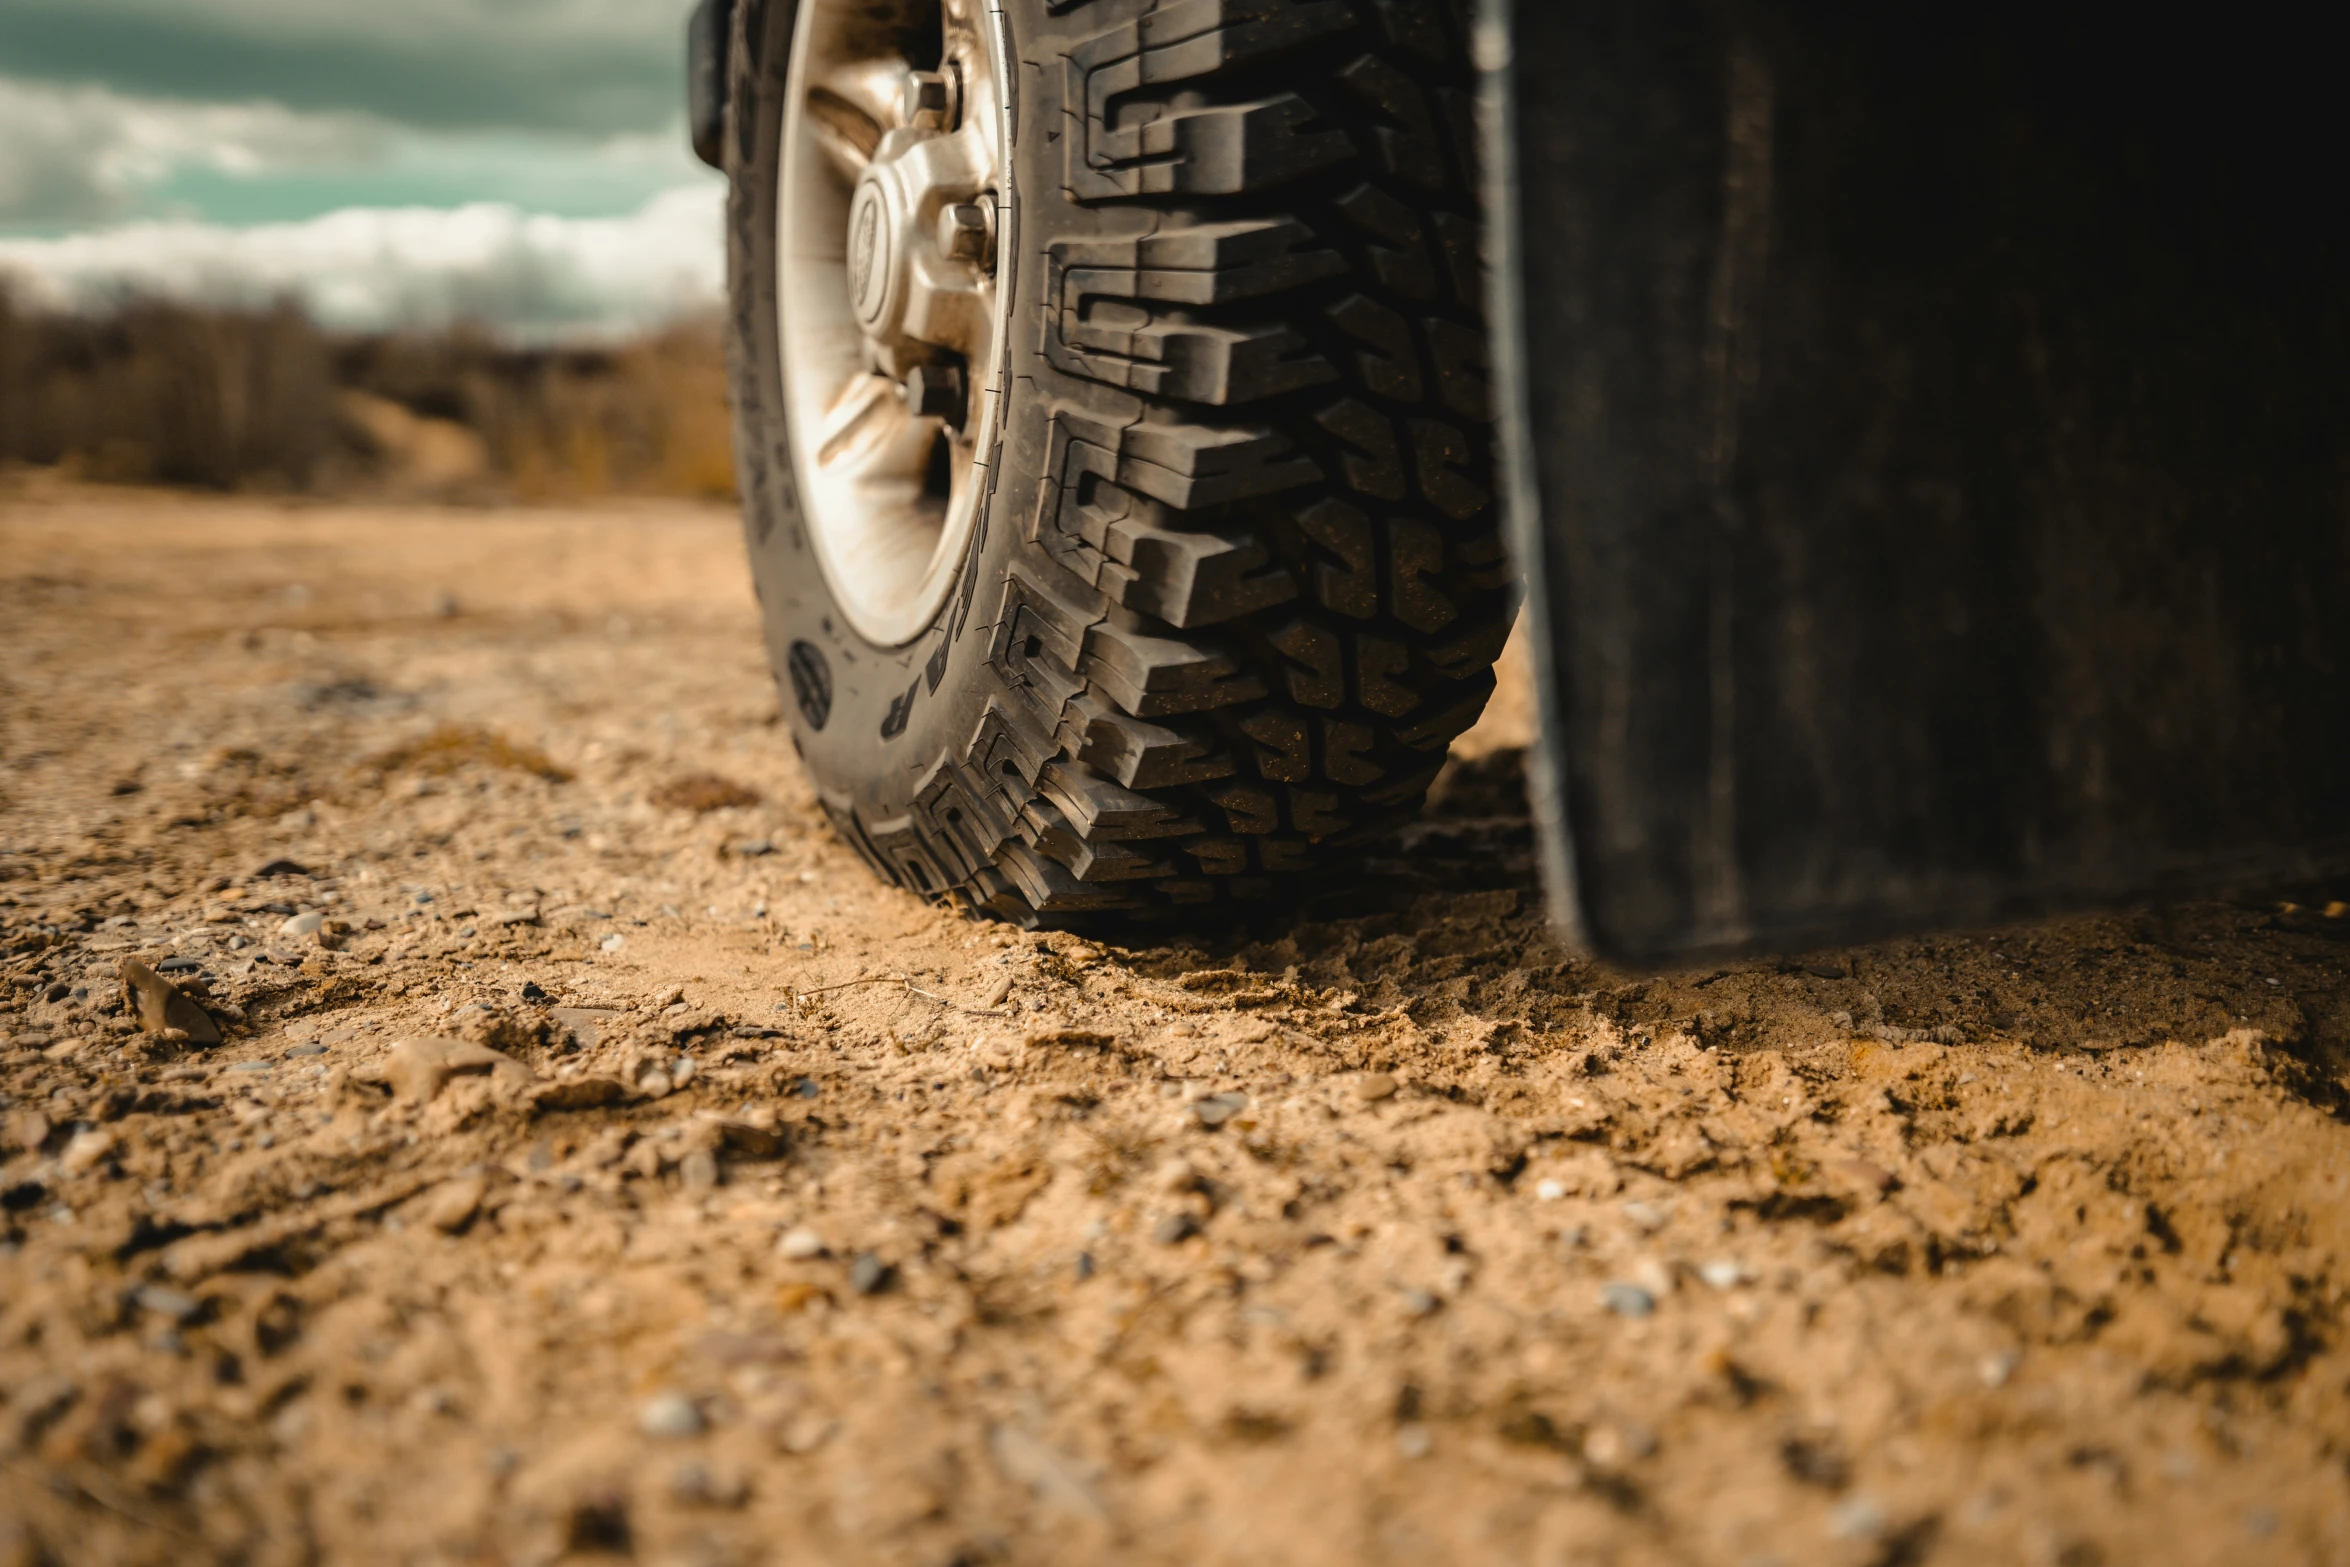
(84, 154)
(585, 66)
(531, 275)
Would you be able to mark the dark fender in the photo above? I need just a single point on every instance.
(706, 30)
(1931, 459)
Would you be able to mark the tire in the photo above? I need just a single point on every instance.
(1234, 580)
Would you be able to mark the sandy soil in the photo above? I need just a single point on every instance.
(764, 1214)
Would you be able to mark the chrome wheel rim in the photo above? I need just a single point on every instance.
(890, 198)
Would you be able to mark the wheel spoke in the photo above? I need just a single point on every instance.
(894, 196)
(859, 424)
(852, 108)
(846, 133)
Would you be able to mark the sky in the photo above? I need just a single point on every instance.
(522, 163)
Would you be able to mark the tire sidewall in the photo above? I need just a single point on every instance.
(871, 723)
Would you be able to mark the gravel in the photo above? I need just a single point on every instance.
(1627, 1300)
(1174, 1229)
(164, 1301)
(1216, 1109)
(669, 1416)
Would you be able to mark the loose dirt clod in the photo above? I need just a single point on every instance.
(159, 1005)
(417, 1069)
(453, 1205)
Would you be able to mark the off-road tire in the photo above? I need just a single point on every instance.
(1237, 581)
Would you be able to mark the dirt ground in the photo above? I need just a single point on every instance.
(764, 1214)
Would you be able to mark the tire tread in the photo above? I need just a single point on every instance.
(1267, 582)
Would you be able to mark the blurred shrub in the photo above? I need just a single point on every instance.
(159, 394)
(163, 393)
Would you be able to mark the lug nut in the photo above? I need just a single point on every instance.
(928, 100)
(936, 392)
(964, 234)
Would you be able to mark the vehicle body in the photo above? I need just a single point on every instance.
(1924, 439)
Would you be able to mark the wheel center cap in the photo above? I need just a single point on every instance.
(870, 247)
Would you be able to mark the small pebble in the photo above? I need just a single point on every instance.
(30, 1130)
(869, 1275)
(1612, 1443)
(1627, 1300)
(1370, 1087)
(1421, 1303)
(86, 1151)
(801, 1244)
(1549, 1191)
(1648, 1215)
(314, 1048)
(248, 1066)
(697, 1485)
(532, 994)
(698, 1171)
(613, 942)
(452, 1206)
(1414, 1440)
(1722, 1273)
(1174, 1229)
(1857, 1518)
(165, 1301)
(1216, 1109)
(297, 927)
(669, 1415)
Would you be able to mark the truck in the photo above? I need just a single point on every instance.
(1915, 439)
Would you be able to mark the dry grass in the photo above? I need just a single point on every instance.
(453, 746)
(161, 393)
(703, 792)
